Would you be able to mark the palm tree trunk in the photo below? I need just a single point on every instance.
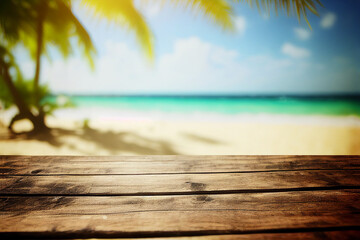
(39, 123)
(21, 105)
(39, 45)
(24, 110)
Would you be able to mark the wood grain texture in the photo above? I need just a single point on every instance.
(198, 214)
(192, 197)
(83, 165)
(177, 183)
(329, 235)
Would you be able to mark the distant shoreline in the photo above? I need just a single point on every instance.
(95, 114)
(220, 105)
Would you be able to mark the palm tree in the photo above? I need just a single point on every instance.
(55, 24)
(6, 63)
(38, 24)
(15, 19)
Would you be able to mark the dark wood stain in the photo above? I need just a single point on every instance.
(36, 171)
(65, 188)
(194, 186)
(204, 198)
(27, 205)
(23, 183)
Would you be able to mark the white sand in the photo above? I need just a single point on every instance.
(242, 134)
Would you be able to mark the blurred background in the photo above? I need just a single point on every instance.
(133, 77)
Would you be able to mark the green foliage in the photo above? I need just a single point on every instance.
(51, 103)
(18, 24)
(48, 102)
(16, 17)
(5, 97)
(86, 123)
(25, 88)
(8, 59)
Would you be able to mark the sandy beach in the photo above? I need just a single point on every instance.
(246, 134)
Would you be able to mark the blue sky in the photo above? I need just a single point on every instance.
(268, 55)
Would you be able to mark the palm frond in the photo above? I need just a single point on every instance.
(16, 17)
(77, 30)
(125, 14)
(299, 8)
(60, 28)
(220, 12)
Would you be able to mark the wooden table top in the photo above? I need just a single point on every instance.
(190, 197)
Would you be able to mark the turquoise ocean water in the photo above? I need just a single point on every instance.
(339, 106)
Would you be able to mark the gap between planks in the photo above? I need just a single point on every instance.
(351, 232)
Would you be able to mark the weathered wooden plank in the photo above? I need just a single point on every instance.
(329, 235)
(178, 183)
(82, 165)
(152, 216)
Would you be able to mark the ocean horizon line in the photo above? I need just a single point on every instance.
(223, 96)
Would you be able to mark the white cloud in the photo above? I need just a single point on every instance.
(240, 24)
(328, 20)
(195, 65)
(302, 33)
(192, 66)
(294, 51)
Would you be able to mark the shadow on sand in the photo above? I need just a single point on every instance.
(96, 142)
(202, 139)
